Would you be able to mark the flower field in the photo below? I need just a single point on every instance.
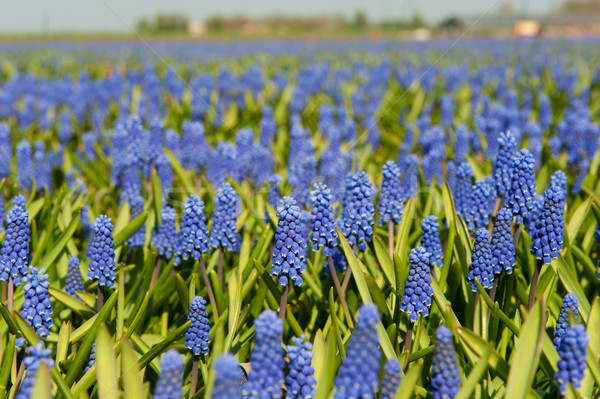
(300, 220)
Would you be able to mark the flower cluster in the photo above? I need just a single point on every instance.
(165, 238)
(358, 374)
(15, 251)
(288, 257)
(227, 380)
(391, 379)
(324, 234)
(197, 338)
(481, 261)
(570, 306)
(169, 385)
(550, 228)
(37, 309)
(74, 281)
(430, 240)
(572, 350)
(192, 239)
(417, 292)
(478, 215)
(507, 147)
(300, 382)
(266, 376)
(444, 370)
(138, 239)
(522, 189)
(223, 232)
(464, 189)
(102, 265)
(503, 249)
(390, 198)
(359, 213)
(37, 356)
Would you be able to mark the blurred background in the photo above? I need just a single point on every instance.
(387, 19)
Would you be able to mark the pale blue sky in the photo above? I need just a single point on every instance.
(19, 16)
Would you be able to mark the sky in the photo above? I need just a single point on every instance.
(29, 16)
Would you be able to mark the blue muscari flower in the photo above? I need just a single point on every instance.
(165, 173)
(102, 254)
(37, 356)
(503, 165)
(479, 212)
(289, 258)
(273, 194)
(223, 232)
(227, 378)
(138, 239)
(444, 370)
(74, 282)
(266, 375)
(194, 149)
(417, 292)
(560, 179)
(332, 168)
(261, 164)
(37, 309)
(244, 142)
(522, 189)
(481, 267)
(169, 385)
(569, 306)
(89, 139)
(92, 359)
(24, 165)
(2, 214)
(19, 200)
(464, 189)
(461, 147)
(302, 164)
(65, 130)
(390, 199)
(391, 379)
(5, 150)
(173, 143)
(359, 213)
(451, 175)
(324, 234)
(131, 181)
(138, 143)
(268, 128)
(41, 170)
(15, 250)
(582, 174)
(165, 238)
(503, 250)
(430, 240)
(192, 239)
(155, 144)
(197, 337)
(410, 180)
(223, 163)
(547, 239)
(300, 382)
(572, 350)
(358, 376)
(85, 218)
(339, 260)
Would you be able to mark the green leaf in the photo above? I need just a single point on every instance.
(57, 248)
(182, 292)
(162, 345)
(479, 346)
(132, 378)
(476, 375)
(7, 360)
(527, 353)
(106, 366)
(28, 333)
(41, 388)
(75, 305)
(180, 172)
(577, 218)
(335, 325)
(593, 327)
(355, 268)
(325, 364)
(62, 347)
(571, 284)
(130, 229)
(408, 385)
(383, 258)
(235, 306)
(157, 196)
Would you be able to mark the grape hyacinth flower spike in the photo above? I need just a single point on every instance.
(223, 234)
(228, 380)
(521, 193)
(14, 255)
(102, 256)
(481, 265)
(417, 291)
(503, 166)
(37, 356)
(288, 256)
(430, 240)
(266, 375)
(300, 382)
(197, 337)
(547, 239)
(37, 309)
(74, 281)
(572, 350)
(503, 249)
(169, 385)
(390, 201)
(358, 376)
(444, 370)
(359, 213)
(164, 239)
(569, 307)
(391, 379)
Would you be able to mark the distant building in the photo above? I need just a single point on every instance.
(196, 28)
(527, 28)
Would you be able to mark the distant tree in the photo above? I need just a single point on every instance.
(418, 22)
(360, 20)
(451, 23)
(215, 24)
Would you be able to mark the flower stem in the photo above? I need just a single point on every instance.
(517, 235)
(155, 272)
(283, 303)
(493, 215)
(220, 266)
(194, 379)
(100, 298)
(338, 288)
(349, 271)
(534, 282)
(476, 302)
(10, 294)
(211, 295)
(408, 339)
(391, 239)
